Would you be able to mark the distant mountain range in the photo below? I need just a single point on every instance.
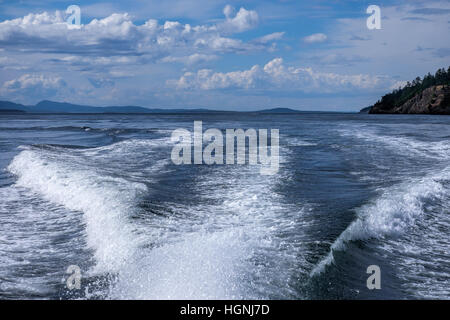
(47, 106)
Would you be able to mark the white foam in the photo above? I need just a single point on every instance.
(31, 230)
(105, 201)
(200, 266)
(125, 147)
(223, 247)
(296, 142)
(391, 214)
(403, 145)
(226, 246)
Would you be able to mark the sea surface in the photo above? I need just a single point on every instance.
(101, 192)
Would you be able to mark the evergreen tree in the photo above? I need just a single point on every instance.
(399, 96)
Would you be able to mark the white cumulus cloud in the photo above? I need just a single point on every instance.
(37, 85)
(117, 34)
(242, 21)
(192, 59)
(316, 37)
(275, 75)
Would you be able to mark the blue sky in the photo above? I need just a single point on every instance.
(230, 55)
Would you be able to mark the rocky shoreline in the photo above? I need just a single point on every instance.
(433, 100)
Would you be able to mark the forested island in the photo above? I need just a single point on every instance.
(430, 95)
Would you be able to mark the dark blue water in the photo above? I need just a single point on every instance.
(101, 192)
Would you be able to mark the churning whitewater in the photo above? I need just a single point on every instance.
(101, 193)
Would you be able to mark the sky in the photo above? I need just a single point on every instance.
(229, 55)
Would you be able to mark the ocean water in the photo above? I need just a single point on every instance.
(100, 192)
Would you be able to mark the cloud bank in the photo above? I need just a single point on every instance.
(276, 76)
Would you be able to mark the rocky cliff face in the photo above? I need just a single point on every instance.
(433, 100)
